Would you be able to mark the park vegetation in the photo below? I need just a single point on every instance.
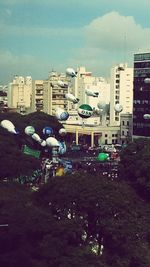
(74, 220)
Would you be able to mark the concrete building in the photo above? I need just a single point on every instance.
(37, 95)
(86, 82)
(54, 94)
(19, 94)
(125, 128)
(121, 91)
(93, 136)
(141, 98)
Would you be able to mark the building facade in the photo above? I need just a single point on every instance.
(37, 95)
(19, 94)
(121, 91)
(141, 98)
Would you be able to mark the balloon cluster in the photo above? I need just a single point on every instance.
(84, 110)
(50, 140)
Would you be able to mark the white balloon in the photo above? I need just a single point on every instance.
(9, 126)
(118, 108)
(146, 116)
(71, 72)
(62, 84)
(37, 138)
(72, 98)
(43, 143)
(62, 131)
(147, 80)
(102, 107)
(29, 130)
(52, 141)
(90, 93)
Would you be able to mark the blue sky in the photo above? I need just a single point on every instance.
(37, 36)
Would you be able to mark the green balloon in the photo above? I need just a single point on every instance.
(85, 111)
(102, 156)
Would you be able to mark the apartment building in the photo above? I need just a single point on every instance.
(37, 95)
(19, 94)
(54, 93)
(121, 91)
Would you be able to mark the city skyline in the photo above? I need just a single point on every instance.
(37, 37)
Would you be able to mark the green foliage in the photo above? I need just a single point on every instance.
(135, 166)
(33, 238)
(13, 162)
(109, 214)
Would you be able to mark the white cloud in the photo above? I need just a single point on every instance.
(111, 31)
(109, 40)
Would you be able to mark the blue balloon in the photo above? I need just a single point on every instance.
(62, 148)
(48, 131)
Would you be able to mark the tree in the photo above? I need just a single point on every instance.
(34, 238)
(109, 213)
(11, 145)
(135, 165)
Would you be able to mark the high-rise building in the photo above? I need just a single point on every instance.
(141, 98)
(86, 85)
(55, 88)
(19, 94)
(37, 95)
(121, 91)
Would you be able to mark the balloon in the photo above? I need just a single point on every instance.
(62, 131)
(72, 98)
(70, 72)
(90, 93)
(36, 137)
(62, 84)
(146, 116)
(62, 148)
(102, 107)
(118, 108)
(48, 131)
(61, 114)
(102, 156)
(85, 111)
(29, 130)
(43, 143)
(9, 126)
(147, 80)
(51, 141)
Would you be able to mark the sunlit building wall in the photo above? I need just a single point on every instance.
(19, 93)
(121, 91)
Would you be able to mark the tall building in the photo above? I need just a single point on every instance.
(141, 98)
(19, 94)
(85, 85)
(37, 95)
(86, 82)
(54, 93)
(121, 91)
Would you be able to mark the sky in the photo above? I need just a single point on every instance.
(38, 36)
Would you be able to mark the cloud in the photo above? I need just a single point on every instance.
(111, 31)
(109, 40)
(12, 64)
(13, 30)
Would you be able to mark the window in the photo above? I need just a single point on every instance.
(122, 122)
(127, 123)
(122, 132)
(105, 135)
(105, 141)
